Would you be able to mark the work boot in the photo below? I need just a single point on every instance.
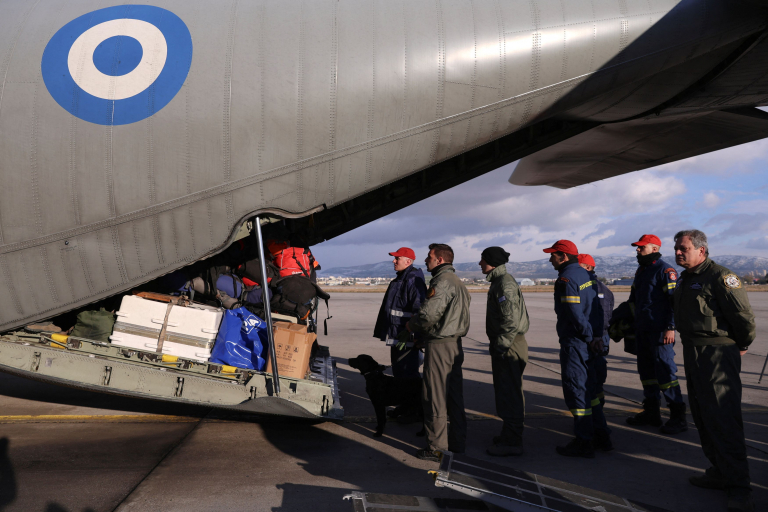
(577, 448)
(504, 448)
(711, 479)
(676, 423)
(651, 415)
(394, 413)
(42, 327)
(428, 455)
(602, 441)
(741, 502)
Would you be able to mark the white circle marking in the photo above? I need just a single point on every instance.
(94, 82)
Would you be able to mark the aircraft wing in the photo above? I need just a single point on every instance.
(618, 148)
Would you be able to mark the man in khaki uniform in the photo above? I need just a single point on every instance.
(506, 322)
(442, 320)
(716, 325)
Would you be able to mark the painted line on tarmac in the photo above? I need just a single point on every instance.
(95, 418)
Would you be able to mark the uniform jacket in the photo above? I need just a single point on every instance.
(575, 297)
(605, 298)
(445, 311)
(505, 314)
(403, 298)
(652, 294)
(712, 307)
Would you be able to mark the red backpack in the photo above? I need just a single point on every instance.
(294, 261)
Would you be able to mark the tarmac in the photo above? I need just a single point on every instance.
(68, 450)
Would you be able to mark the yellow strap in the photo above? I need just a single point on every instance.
(649, 382)
(581, 412)
(595, 402)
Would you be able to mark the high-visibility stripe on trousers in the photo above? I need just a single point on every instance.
(657, 368)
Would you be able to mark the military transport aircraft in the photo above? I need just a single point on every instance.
(138, 139)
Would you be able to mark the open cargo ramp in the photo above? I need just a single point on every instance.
(497, 487)
(106, 368)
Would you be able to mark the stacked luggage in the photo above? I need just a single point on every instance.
(213, 311)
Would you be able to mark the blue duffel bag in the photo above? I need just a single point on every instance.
(241, 340)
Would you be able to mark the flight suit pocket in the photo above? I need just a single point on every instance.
(708, 321)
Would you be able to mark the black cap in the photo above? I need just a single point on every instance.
(495, 256)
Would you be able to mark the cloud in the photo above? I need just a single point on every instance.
(758, 243)
(711, 200)
(602, 218)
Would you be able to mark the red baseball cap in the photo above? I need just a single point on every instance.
(565, 246)
(648, 239)
(586, 259)
(404, 251)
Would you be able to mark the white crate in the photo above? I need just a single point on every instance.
(190, 332)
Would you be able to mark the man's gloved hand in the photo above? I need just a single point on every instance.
(403, 338)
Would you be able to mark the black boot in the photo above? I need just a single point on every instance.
(651, 414)
(677, 422)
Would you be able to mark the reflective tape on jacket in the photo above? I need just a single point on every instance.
(595, 402)
(649, 382)
(403, 314)
(571, 299)
(581, 412)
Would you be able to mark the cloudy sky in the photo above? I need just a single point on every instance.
(725, 194)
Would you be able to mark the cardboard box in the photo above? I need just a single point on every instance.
(293, 346)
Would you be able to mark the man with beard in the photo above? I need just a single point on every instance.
(652, 291)
(402, 300)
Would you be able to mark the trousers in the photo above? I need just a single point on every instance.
(442, 395)
(657, 368)
(508, 390)
(405, 363)
(579, 389)
(714, 395)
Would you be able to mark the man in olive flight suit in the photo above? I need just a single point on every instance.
(506, 322)
(442, 320)
(716, 325)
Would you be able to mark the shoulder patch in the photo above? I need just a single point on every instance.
(672, 274)
(502, 298)
(732, 281)
(564, 279)
(430, 292)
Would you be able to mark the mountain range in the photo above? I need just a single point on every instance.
(607, 266)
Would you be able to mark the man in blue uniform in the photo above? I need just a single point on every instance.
(575, 298)
(403, 298)
(598, 366)
(652, 292)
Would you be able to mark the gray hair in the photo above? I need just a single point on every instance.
(698, 238)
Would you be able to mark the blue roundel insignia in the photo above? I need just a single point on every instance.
(118, 65)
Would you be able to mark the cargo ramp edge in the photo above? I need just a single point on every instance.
(105, 368)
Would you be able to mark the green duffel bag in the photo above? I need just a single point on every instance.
(94, 325)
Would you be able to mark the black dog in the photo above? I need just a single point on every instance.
(384, 390)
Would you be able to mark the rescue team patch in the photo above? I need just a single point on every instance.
(672, 274)
(502, 298)
(732, 281)
(430, 292)
(564, 279)
(118, 65)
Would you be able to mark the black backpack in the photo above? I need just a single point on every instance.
(295, 296)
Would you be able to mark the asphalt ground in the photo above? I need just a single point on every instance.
(68, 450)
